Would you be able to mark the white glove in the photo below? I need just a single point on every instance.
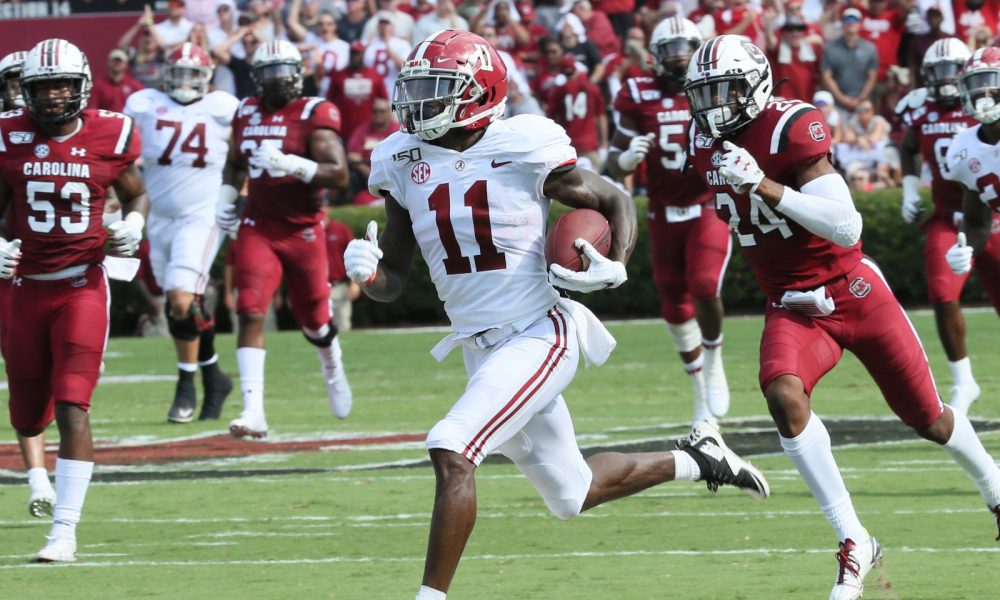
(911, 209)
(638, 148)
(959, 256)
(124, 236)
(740, 169)
(361, 256)
(226, 215)
(279, 164)
(10, 256)
(602, 273)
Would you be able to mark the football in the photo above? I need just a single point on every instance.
(578, 223)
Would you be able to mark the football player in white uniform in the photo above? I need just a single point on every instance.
(472, 192)
(42, 496)
(185, 130)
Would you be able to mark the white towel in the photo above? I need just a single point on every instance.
(121, 268)
(596, 342)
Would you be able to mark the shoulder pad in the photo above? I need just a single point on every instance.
(915, 99)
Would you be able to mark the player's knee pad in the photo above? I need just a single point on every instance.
(191, 326)
(686, 335)
(325, 340)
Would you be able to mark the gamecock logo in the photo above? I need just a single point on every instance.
(860, 288)
(420, 172)
(816, 131)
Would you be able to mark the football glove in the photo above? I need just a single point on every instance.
(226, 214)
(10, 256)
(361, 256)
(638, 148)
(911, 209)
(740, 169)
(279, 164)
(602, 273)
(124, 236)
(959, 256)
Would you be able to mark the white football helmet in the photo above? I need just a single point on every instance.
(979, 85)
(277, 72)
(672, 44)
(10, 81)
(729, 82)
(942, 63)
(187, 73)
(54, 60)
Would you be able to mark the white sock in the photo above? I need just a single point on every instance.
(211, 361)
(72, 480)
(961, 372)
(329, 357)
(712, 351)
(697, 373)
(251, 364)
(812, 455)
(38, 479)
(685, 467)
(187, 367)
(426, 593)
(968, 451)
(712, 344)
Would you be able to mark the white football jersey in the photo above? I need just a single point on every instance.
(184, 148)
(479, 216)
(976, 165)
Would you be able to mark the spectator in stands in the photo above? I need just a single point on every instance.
(520, 102)
(823, 100)
(266, 20)
(199, 36)
(619, 12)
(599, 28)
(343, 291)
(632, 61)
(866, 137)
(109, 92)
(304, 15)
(329, 52)
(239, 63)
(360, 145)
(551, 67)
(739, 18)
(975, 18)
(897, 85)
(794, 9)
(515, 77)
(573, 37)
(703, 16)
(849, 64)
(355, 89)
(402, 23)
(386, 52)
(530, 55)
(577, 104)
(883, 26)
(793, 58)
(502, 15)
(351, 25)
(919, 44)
(201, 11)
(416, 9)
(225, 27)
(174, 31)
(444, 17)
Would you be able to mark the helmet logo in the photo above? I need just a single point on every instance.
(816, 131)
(482, 56)
(420, 172)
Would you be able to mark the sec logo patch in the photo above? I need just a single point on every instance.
(816, 131)
(41, 150)
(420, 172)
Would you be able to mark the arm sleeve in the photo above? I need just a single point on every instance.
(825, 208)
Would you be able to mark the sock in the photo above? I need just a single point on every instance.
(188, 369)
(685, 468)
(968, 451)
(206, 347)
(961, 372)
(329, 357)
(697, 373)
(712, 344)
(251, 364)
(72, 480)
(38, 479)
(426, 593)
(812, 455)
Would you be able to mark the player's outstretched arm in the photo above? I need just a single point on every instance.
(977, 221)
(628, 148)
(394, 250)
(580, 188)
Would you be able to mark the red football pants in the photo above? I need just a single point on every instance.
(942, 283)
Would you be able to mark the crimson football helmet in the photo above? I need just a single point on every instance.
(729, 82)
(48, 63)
(451, 79)
(979, 85)
(672, 45)
(10, 81)
(942, 63)
(187, 73)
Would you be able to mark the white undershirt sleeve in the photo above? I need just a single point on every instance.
(825, 208)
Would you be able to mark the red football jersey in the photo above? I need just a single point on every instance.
(787, 136)
(576, 105)
(670, 180)
(935, 127)
(283, 199)
(354, 93)
(58, 188)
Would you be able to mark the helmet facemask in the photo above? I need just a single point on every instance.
(426, 101)
(278, 83)
(186, 83)
(10, 90)
(44, 109)
(672, 58)
(980, 93)
(941, 79)
(723, 105)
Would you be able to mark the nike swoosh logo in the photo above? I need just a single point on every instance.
(185, 412)
(497, 165)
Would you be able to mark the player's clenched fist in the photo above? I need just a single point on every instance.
(601, 274)
(959, 256)
(638, 148)
(124, 236)
(740, 169)
(10, 257)
(226, 214)
(361, 256)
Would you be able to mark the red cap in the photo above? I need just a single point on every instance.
(357, 47)
(527, 10)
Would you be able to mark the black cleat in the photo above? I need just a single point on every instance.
(719, 465)
(185, 400)
(217, 389)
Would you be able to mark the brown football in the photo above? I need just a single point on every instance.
(578, 223)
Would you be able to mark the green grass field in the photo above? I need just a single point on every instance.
(350, 520)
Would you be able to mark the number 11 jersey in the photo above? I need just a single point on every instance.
(479, 216)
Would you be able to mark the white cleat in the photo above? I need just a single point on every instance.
(248, 424)
(716, 386)
(702, 414)
(854, 563)
(60, 549)
(42, 502)
(962, 396)
(339, 394)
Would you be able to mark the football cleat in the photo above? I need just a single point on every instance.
(42, 503)
(716, 386)
(217, 389)
(248, 424)
(185, 400)
(962, 397)
(339, 394)
(721, 466)
(58, 549)
(854, 562)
